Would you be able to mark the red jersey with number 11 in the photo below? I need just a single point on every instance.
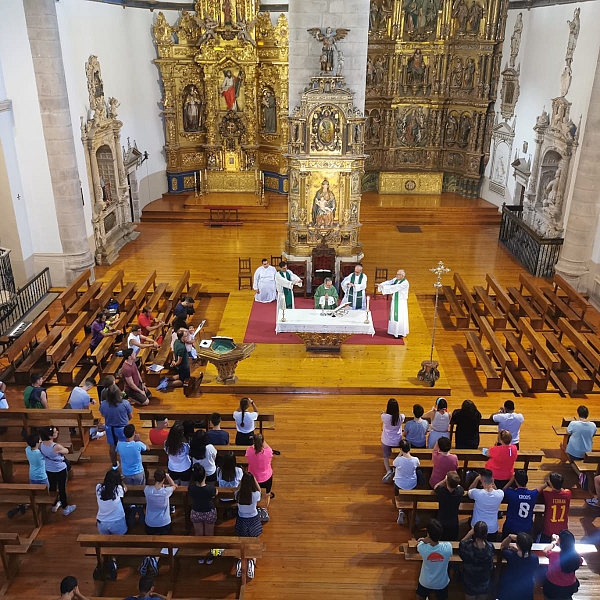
(556, 513)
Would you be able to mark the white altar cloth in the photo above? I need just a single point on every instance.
(310, 320)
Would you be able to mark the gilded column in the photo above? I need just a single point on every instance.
(44, 39)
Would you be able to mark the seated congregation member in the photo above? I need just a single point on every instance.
(217, 436)
(146, 589)
(117, 413)
(466, 420)
(487, 501)
(135, 388)
(477, 556)
(449, 493)
(502, 459)
(561, 582)
(57, 468)
(181, 362)
(507, 418)
(557, 501)
(594, 501)
(80, 398)
(178, 454)
(248, 522)
(35, 395)
(136, 340)
(205, 454)
(130, 452)
(433, 578)
(184, 308)
(260, 456)
(518, 576)
(110, 518)
(69, 589)
(405, 476)
(158, 435)
(245, 417)
(391, 434)
(440, 422)
(101, 329)
(415, 431)
(443, 461)
(521, 502)
(204, 513)
(581, 435)
(3, 400)
(147, 321)
(229, 474)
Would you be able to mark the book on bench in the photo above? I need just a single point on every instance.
(156, 368)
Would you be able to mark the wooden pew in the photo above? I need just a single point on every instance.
(525, 309)
(582, 350)
(70, 295)
(162, 357)
(67, 340)
(29, 339)
(34, 494)
(180, 286)
(108, 291)
(67, 369)
(571, 296)
(83, 303)
(13, 545)
(537, 300)
(493, 379)
(124, 296)
(139, 298)
(12, 453)
(501, 296)
(571, 373)
(562, 308)
(466, 296)
(526, 361)
(462, 319)
(107, 546)
(29, 366)
(499, 319)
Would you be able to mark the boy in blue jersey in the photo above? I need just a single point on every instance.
(521, 502)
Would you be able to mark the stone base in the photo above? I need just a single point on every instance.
(63, 268)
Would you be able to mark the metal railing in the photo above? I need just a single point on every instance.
(537, 254)
(26, 298)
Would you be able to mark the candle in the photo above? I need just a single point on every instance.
(368, 302)
(195, 181)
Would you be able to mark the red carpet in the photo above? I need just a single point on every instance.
(261, 326)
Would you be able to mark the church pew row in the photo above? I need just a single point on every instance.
(71, 294)
(105, 547)
(36, 495)
(456, 308)
(465, 296)
(12, 453)
(578, 303)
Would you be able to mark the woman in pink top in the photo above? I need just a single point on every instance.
(561, 581)
(443, 461)
(502, 459)
(259, 458)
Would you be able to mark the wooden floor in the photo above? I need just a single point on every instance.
(333, 532)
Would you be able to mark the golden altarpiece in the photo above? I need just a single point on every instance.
(224, 72)
(432, 74)
(326, 164)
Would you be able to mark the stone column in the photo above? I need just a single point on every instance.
(44, 39)
(305, 50)
(576, 254)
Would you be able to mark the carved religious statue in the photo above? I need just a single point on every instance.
(515, 39)
(269, 108)
(574, 26)
(328, 37)
(416, 68)
(230, 88)
(551, 190)
(324, 205)
(192, 109)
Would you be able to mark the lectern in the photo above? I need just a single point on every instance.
(225, 354)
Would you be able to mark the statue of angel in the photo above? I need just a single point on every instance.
(208, 25)
(113, 104)
(328, 38)
(244, 29)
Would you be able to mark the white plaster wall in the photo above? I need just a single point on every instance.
(305, 50)
(542, 59)
(35, 186)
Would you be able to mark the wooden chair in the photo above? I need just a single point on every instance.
(275, 260)
(381, 275)
(245, 274)
(323, 265)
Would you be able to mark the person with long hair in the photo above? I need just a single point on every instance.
(466, 420)
(57, 468)
(245, 417)
(229, 475)
(518, 577)
(391, 434)
(561, 582)
(205, 454)
(502, 459)
(477, 556)
(117, 413)
(248, 522)
(440, 421)
(178, 454)
(203, 514)
(260, 456)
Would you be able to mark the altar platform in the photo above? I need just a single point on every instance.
(357, 369)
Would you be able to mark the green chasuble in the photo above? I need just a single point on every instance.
(287, 293)
(320, 293)
(395, 298)
(359, 295)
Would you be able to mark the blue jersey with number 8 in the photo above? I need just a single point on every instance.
(519, 515)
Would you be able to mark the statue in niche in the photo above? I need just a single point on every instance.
(551, 189)
(192, 109)
(451, 128)
(324, 205)
(469, 74)
(379, 68)
(431, 9)
(328, 38)
(464, 129)
(374, 17)
(460, 12)
(515, 39)
(98, 85)
(574, 26)
(340, 63)
(269, 108)
(475, 17)
(500, 171)
(230, 88)
(375, 129)
(456, 76)
(227, 12)
(410, 130)
(295, 133)
(370, 72)
(113, 105)
(416, 68)
(412, 9)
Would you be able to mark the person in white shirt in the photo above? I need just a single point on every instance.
(137, 340)
(354, 287)
(204, 453)
(110, 518)
(3, 401)
(405, 477)
(244, 422)
(391, 434)
(487, 501)
(264, 282)
(508, 419)
(285, 282)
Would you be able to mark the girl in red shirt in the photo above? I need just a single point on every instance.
(502, 459)
(561, 582)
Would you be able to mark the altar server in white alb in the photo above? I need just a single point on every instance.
(354, 287)
(398, 287)
(264, 282)
(285, 282)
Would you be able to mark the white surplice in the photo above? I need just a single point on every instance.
(358, 287)
(398, 319)
(264, 284)
(281, 282)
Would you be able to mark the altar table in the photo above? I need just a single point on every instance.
(324, 333)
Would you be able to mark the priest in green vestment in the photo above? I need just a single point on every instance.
(326, 295)
(354, 287)
(285, 282)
